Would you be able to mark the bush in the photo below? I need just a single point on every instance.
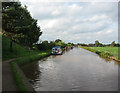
(97, 52)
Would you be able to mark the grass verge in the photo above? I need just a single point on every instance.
(24, 60)
(17, 78)
(32, 58)
(106, 52)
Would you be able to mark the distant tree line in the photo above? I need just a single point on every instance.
(98, 44)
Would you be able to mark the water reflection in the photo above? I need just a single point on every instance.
(32, 71)
(75, 70)
(108, 60)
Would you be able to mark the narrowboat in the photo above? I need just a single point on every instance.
(56, 50)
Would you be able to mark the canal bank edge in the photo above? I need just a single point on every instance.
(20, 80)
(103, 54)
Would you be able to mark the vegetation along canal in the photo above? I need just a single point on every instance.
(75, 70)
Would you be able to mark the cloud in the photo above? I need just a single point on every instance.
(76, 21)
(56, 12)
(97, 17)
(109, 31)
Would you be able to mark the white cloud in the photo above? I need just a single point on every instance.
(109, 31)
(56, 12)
(75, 7)
(100, 32)
(76, 22)
(97, 17)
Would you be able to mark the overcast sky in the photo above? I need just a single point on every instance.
(77, 22)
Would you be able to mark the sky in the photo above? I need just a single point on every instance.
(77, 22)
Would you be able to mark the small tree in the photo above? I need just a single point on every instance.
(69, 44)
(112, 44)
(58, 42)
(97, 43)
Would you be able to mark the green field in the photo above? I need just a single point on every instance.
(112, 50)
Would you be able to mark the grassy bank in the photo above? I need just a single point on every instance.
(31, 58)
(24, 56)
(108, 52)
(18, 50)
(17, 78)
(21, 61)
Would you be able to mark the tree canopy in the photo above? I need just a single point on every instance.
(18, 24)
(58, 40)
(97, 43)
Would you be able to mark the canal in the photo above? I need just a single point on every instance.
(75, 70)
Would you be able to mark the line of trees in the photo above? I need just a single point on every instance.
(98, 44)
(18, 24)
(45, 45)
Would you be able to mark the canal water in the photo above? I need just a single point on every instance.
(75, 70)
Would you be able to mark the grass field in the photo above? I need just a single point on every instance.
(113, 52)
